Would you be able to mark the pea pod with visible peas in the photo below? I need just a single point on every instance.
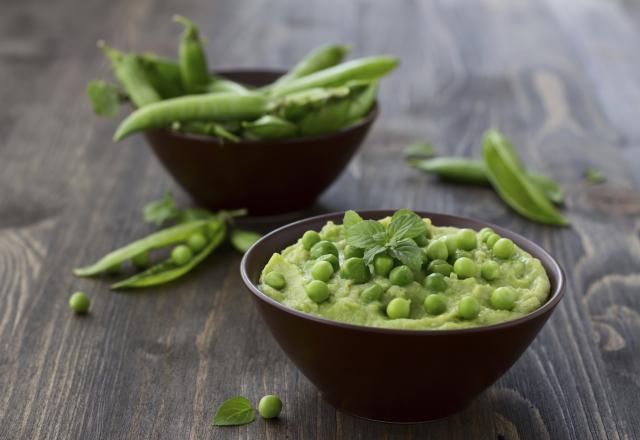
(508, 177)
(160, 239)
(193, 59)
(170, 270)
(216, 107)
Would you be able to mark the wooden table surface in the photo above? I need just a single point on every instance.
(560, 77)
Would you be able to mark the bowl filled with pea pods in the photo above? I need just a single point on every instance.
(268, 141)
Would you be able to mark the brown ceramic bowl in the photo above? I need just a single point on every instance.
(266, 177)
(396, 375)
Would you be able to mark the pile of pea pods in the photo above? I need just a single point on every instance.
(321, 94)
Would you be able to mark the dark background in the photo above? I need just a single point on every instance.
(561, 78)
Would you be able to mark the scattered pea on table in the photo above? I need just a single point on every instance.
(79, 302)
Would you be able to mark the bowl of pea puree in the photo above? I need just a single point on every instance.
(401, 316)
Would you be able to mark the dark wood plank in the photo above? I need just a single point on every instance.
(156, 364)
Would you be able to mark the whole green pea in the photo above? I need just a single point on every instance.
(181, 255)
(503, 298)
(401, 275)
(435, 304)
(270, 406)
(352, 251)
(323, 248)
(491, 239)
(440, 266)
(490, 270)
(452, 243)
(275, 279)
(141, 261)
(398, 308)
(468, 307)
(382, 264)
(421, 240)
(435, 283)
(465, 267)
(355, 269)
(466, 239)
(437, 250)
(310, 238)
(322, 270)
(79, 302)
(371, 293)
(484, 233)
(331, 259)
(317, 291)
(197, 242)
(503, 248)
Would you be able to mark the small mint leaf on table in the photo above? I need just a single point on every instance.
(233, 412)
(419, 149)
(161, 211)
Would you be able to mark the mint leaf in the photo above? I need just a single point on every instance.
(361, 234)
(370, 253)
(161, 211)
(594, 175)
(350, 219)
(105, 98)
(405, 224)
(233, 412)
(407, 251)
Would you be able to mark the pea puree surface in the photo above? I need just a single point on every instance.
(345, 302)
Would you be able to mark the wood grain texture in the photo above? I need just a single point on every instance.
(560, 77)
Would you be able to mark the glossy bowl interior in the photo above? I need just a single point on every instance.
(266, 177)
(394, 375)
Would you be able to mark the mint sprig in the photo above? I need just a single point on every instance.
(396, 240)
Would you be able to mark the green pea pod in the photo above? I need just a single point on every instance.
(298, 104)
(327, 119)
(163, 74)
(168, 271)
(193, 59)
(131, 75)
(456, 169)
(363, 99)
(207, 129)
(319, 59)
(243, 240)
(552, 190)
(221, 85)
(217, 107)
(365, 69)
(511, 182)
(160, 239)
(269, 127)
(471, 171)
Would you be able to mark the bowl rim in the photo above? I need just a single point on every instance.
(534, 249)
(366, 120)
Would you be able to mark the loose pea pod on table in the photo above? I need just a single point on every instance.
(169, 270)
(509, 178)
(472, 171)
